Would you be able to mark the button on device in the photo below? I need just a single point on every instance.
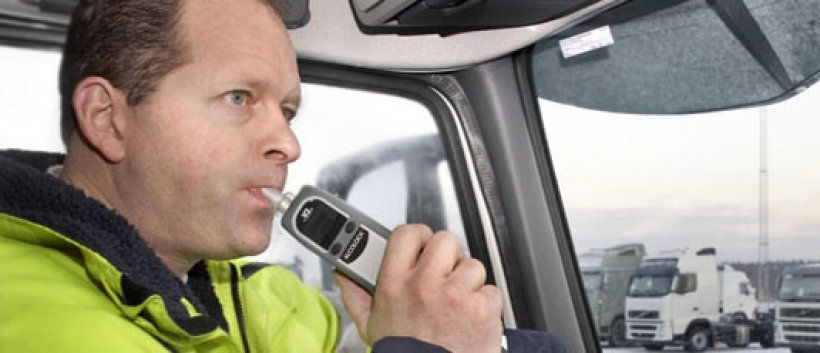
(336, 248)
(350, 227)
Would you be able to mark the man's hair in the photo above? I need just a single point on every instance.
(131, 43)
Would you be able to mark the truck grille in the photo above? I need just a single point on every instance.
(799, 323)
(801, 328)
(642, 331)
(800, 332)
(800, 313)
(643, 314)
(803, 339)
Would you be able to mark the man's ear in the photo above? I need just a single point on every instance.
(100, 110)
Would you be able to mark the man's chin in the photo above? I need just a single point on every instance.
(252, 246)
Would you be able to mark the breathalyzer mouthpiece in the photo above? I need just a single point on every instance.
(279, 200)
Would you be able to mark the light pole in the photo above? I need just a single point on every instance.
(763, 212)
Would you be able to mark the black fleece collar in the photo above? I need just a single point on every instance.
(27, 192)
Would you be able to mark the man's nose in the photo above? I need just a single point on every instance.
(280, 143)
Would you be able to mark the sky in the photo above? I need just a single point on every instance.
(668, 182)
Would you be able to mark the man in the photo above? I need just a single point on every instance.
(175, 115)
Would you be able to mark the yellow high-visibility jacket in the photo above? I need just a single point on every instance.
(76, 277)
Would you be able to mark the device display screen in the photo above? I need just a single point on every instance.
(319, 222)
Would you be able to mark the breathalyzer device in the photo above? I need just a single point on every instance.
(340, 234)
(349, 240)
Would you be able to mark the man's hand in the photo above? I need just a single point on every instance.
(428, 289)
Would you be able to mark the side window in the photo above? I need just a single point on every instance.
(687, 282)
(744, 289)
(29, 100)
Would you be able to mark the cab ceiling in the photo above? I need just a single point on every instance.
(332, 35)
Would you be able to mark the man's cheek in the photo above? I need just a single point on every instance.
(209, 163)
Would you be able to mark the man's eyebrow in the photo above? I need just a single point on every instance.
(252, 82)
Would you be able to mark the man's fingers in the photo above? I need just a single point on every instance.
(441, 255)
(357, 301)
(469, 274)
(493, 302)
(403, 248)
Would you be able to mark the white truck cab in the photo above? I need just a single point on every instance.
(684, 297)
(797, 320)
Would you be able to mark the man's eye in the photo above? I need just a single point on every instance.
(239, 98)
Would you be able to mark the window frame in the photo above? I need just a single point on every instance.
(522, 193)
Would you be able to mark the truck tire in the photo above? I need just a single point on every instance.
(617, 333)
(767, 341)
(653, 347)
(742, 332)
(697, 340)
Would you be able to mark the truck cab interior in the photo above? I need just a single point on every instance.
(470, 115)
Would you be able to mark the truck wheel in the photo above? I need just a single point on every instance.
(653, 347)
(617, 333)
(697, 340)
(767, 341)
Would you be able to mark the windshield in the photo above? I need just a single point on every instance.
(650, 285)
(800, 286)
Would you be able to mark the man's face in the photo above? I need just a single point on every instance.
(215, 131)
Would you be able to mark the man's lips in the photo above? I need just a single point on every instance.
(258, 194)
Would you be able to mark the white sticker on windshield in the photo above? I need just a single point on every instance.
(586, 42)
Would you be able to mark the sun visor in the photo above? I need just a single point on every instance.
(682, 56)
(443, 16)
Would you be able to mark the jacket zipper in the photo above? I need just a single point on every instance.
(240, 317)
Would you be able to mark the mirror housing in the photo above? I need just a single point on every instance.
(452, 16)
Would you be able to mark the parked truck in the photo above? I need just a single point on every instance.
(606, 274)
(797, 315)
(683, 297)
